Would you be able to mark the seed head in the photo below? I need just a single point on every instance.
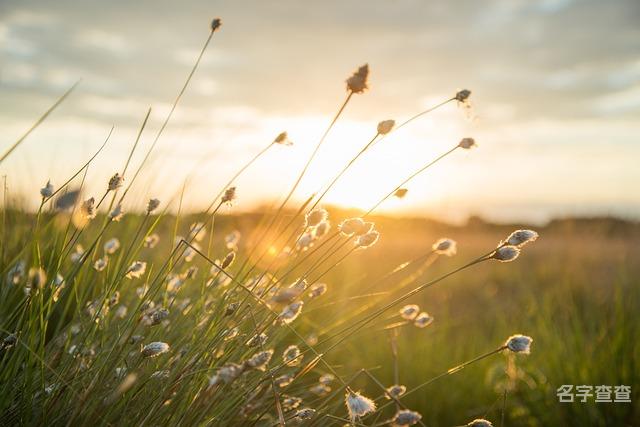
(9, 341)
(395, 391)
(116, 214)
(291, 312)
(232, 239)
(400, 193)
(467, 143)
(136, 269)
(116, 182)
(326, 379)
(320, 390)
(227, 374)
(16, 273)
(409, 311)
(291, 402)
(506, 253)
(445, 246)
(520, 238)
(367, 240)
(283, 139)
(315, 217)
(257, 340)
(101, 263)
(519, 344)
(405, 417)
(37, 278)
(151, 241)
(305, 414)
(67, 200)
(111, 246)
(229, 195)
(88, 208)
(228, 260)
(357, 83)
(283, 380)
(358, 405)
(463, 95)
(291, 356)
(47, 190)
(152, 205)
(423, 320)
(479, 422)
(322, 229)
(215, 24)
(154, 349)
(354, 226)
(317, 290)
(385, 126)
(259, 360)
(305, 241)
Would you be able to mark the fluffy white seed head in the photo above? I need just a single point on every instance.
(154, 349)
(445, 246)
(152, 205)
(463, 95)
(136, 269)
(115, 182)
(385, 126)
(520, 238)
(291, 356)
(409, 311)
(283, 139)
(291, 312)
(216, 23)
(322, 229)
(326, 379)
(101, 263)
(305, 414)
(151, 241)
(117, 213)
(367, 240)
(395, 391)
(358, 405)
(317, 290)
(357, 83)
(405, 417)
(229, 195)
(506, 253)
(259, 360)
(315, 217)
(400, 193)
(479, 422)
(47, 190)
(111, 246)
(423, 320)
(519, 344)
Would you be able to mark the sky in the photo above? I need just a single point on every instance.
(555, 101)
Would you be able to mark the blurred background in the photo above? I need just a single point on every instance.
(556, 100)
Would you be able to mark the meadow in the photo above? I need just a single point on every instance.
(312, 315)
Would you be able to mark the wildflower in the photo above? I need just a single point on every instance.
(136, 269)
(101, 263)
(36, 278)
(77, 254)
(367, 240)
(67, 200)
(352, 226)
(409, 311)
(121, 312)
(358, 405)
(463, 95)
(519, 344)
(111, 246)
(305, 241)
(154, 349)
(320, 389)
(215, 24)
(405, 417)
(290, 402)
(229, 195)
(282, 139)
(385, 126)
(151, 241)
(423, 320)
(395, 391)
(115, 182)
(317, 290)
(305, 414)
(400, 193)
(231, 240)
(47, 190)
(520, 238)
(156, 316)
(228, 260)
(467, 143)
(321, 229)
(357, 83)
(506, 253)
(259, 360)
(283, 380)
(227, 374)
(116, 214)
(16, 273)
(326, 379)
(291, 356)
(152, 205)
(315, 217)
(445, 246)
(88, 208)
(291, 312)
(257, 340)
(479, 422)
